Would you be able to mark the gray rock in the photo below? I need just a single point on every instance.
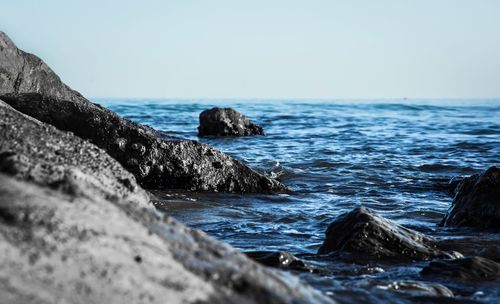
(362, 234)
(226, 122)
(465, 269)
(30, 86)
(76, 228)
(476, 202)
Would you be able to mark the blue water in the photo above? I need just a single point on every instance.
(394, 157)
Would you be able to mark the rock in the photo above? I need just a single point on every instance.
(283, 260)
(363, 234)
(226, 122)
(476, 202)
(416, 288)
(76, 228)
(28, 85)
(466, 269)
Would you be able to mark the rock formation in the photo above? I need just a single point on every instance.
(226, 122)
(365, 235)
(476, 201)
(31, 87)
(75, 227)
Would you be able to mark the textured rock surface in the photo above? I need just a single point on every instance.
(476, 201)
(76, 228)
(226, 122)
(28, 84)
(362, 233)
(469, 269)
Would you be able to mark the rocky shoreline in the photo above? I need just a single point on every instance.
(77, 226)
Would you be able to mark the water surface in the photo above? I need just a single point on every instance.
(394, 157)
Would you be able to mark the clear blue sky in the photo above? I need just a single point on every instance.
(265, 48)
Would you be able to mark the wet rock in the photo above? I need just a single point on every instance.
(283, 260)
(466, 269)
(363, 234)
(76, 228)
(417, 288)
(31, 87)
(476, 202)
(226, 122)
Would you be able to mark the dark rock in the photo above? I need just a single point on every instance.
(453, 185)
(226, 122)
(466, 269)
(28, 84)
(417, 288)
(76, 228)
(283, 260)
(476, 202)
(362, 233)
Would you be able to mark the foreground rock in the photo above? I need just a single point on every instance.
(467, 269)
(363, 234)
(476, 201)
(226, 122)
(30, 86)
(76, 228)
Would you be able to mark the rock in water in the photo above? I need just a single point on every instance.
(226, 122)
(282, 259)
(30, 86)
(467, 269)
(363, 234)
(476, 202)
(76, 228)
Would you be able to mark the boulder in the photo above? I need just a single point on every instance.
(30, 86)
(226, 122)
(362, 234)
(476, 201)
(465, 269)
(75, 227)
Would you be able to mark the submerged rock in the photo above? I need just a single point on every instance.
(76, 228)
(476, 201)
(226, 122)
(363, 234)
(416, 288)
(467, 269)
(283, 260)
(31, 87)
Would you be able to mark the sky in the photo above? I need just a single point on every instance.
(264, 48)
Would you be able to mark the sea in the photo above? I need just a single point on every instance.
(395, 157)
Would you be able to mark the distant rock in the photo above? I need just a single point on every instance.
(283, 260)
(476, 201)
(226, 122)
(75, 227)
(365, 235)
(30, 86)
(466, 269)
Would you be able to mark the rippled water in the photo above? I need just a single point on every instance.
(394, 157)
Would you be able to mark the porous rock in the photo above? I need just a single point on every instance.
(76, 228)
(30, 86)
(363, 234)
(476, 201)
(226, 122)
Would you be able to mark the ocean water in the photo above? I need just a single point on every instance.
(393, 156)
